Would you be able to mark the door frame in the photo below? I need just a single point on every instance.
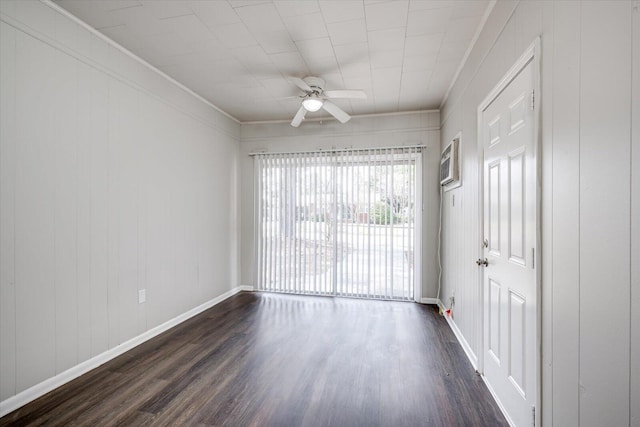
(530, 55)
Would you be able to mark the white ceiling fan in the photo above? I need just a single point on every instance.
(316, 97)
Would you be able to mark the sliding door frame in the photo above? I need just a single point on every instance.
(417, 156)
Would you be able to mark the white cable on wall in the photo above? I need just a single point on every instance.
(439, 248)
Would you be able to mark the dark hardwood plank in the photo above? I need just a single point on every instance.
(278, 360)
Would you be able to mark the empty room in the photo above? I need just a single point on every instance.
(320, 213)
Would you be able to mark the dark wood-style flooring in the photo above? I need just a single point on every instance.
(276, 360)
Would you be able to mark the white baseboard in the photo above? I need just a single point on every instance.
(247, 288)
(463, 342)
(40, 389)
(435, 301)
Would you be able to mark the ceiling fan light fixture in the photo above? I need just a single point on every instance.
(312, 104)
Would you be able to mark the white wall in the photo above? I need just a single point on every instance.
(112, 179)
(590, 199)
(360, 132)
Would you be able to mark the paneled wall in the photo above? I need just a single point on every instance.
(112, 180)
(590, 199)
(361, 132)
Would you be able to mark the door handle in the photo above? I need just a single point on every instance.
(482, 262)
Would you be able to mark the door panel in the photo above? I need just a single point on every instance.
(494, 320)
(494, 131)
(517, 336)
(510, 228)
(494, 208)
(516, 206)
(517, 113)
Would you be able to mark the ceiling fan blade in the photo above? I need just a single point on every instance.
(299, 117)
(300, 83)
(284, 98)
(346, 93)
(336, 112)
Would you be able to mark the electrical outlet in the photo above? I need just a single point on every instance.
(142, 296)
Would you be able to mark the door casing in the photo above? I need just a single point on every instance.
(531, 55)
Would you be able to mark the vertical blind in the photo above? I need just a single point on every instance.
(338, 222)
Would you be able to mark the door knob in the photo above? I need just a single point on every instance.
(482, 262)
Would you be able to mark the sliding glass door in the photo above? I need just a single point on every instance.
(338, 223)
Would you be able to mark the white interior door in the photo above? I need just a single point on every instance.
(509, 278)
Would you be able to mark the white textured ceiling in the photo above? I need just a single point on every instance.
(236, 54)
